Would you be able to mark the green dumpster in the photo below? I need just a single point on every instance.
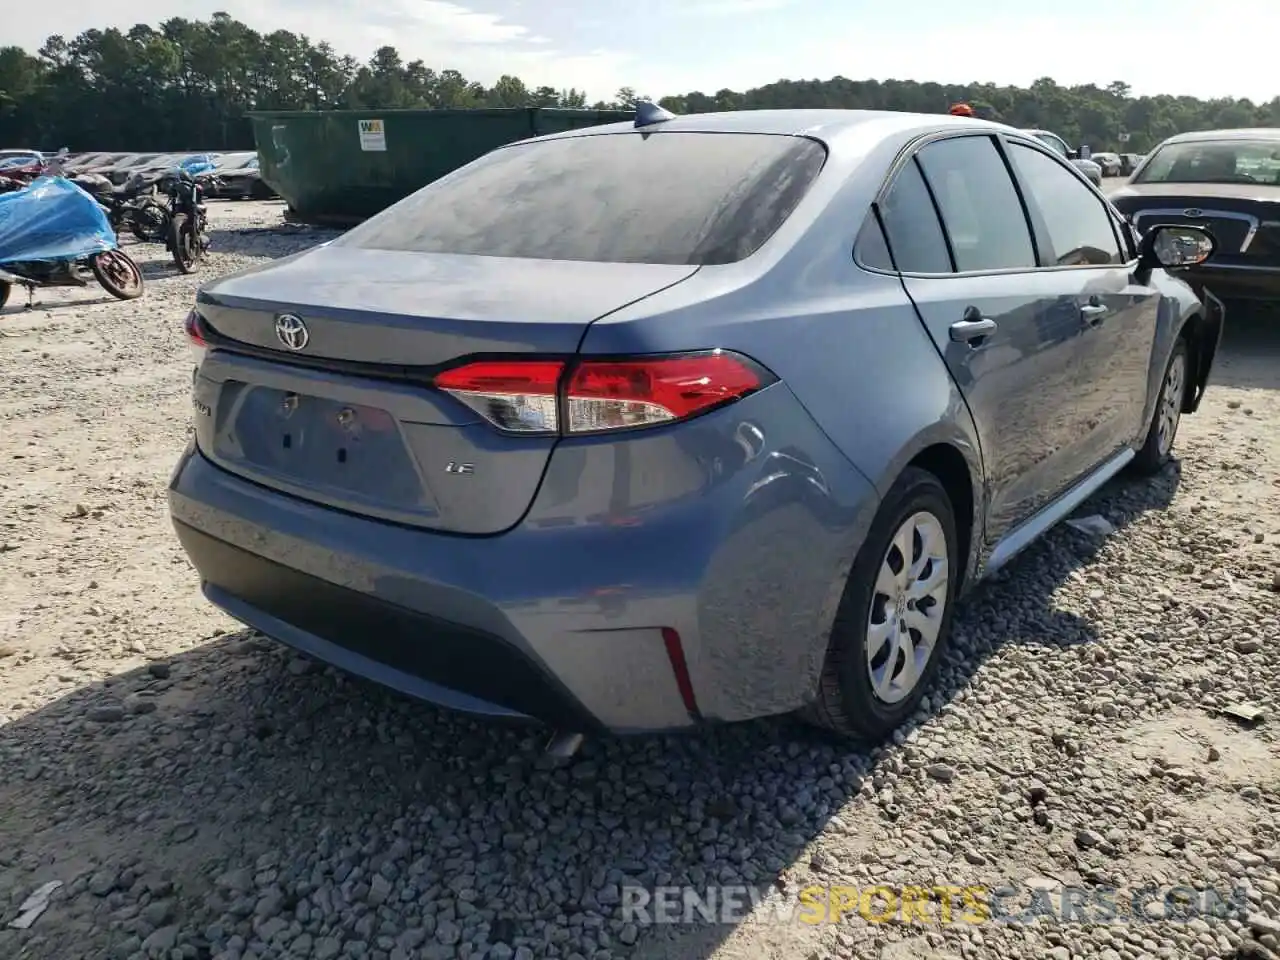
(341, 166)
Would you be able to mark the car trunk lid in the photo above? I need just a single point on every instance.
(345, 415)
(418, 309)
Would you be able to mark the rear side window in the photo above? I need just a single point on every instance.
(980, 208)
(674, 198)
(910, 220)
(870, 249)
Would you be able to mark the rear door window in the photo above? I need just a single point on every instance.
(672, 198)
(980, 208)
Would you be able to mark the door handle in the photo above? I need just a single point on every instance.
(972, 331)
(1093, 313)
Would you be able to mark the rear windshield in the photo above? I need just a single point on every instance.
(1215, 161)
(674, 198)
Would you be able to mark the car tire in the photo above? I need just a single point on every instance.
(854, 699)
(1157, 447)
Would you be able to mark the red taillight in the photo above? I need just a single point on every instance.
(192, 327)
(195, 336)
(607, 395)
(515, 395)
(524, 396)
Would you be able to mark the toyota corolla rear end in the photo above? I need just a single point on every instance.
(416, 457)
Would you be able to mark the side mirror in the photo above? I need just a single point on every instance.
(1085, 151)
(1174, 245)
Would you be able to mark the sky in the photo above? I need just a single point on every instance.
(662, 47)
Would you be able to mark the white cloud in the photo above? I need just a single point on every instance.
(600, 47)
(728, 8)
(442, 34)
(1006, 53)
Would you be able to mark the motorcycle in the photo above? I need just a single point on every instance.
(133, 205)
(50, 232)
(188, 237)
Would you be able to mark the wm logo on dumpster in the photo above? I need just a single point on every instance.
(372, 135)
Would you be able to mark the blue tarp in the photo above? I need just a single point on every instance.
(197, 165)
(52, 219)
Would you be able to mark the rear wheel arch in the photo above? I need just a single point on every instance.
(851, 694)
(949, 465)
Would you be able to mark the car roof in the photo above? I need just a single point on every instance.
(1240, 133)
(821, 124)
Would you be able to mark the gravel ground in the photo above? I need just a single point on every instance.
(200, 791)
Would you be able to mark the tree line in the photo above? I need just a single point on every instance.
(188, 84)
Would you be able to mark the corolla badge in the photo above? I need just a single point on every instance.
(1192, 212)
(292, 332)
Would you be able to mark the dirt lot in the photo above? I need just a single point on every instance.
(200, 792)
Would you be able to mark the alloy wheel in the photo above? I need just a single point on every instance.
(1171, 402)
(907, 607)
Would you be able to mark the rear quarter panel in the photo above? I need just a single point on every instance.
(847, 342)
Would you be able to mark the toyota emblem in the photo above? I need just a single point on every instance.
(1192, 212)
(291, 331)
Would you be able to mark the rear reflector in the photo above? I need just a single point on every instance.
(527, 396)
(675, 653)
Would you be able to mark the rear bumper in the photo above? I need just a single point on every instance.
(707, 530)
(379, 640)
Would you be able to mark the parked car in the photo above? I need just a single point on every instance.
(1227, 181)
(239, 178)
(83, 162)
(1129, 162)
(159, 164)
(23, 165)
(639, 465)
(19, 154)
(126, 167)
(1109, 162)
(98, 162)
(1079, 158)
